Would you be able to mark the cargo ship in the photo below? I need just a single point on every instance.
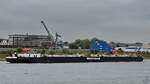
(38, 58)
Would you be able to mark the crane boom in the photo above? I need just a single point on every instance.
(49, 34)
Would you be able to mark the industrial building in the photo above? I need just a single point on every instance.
(26, 40)
(114, 45)
(3, 42)
(17, 40)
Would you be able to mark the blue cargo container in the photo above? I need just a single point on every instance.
(101, 46)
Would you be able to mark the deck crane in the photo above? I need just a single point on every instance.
(50, 36)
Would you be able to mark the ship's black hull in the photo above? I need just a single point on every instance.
(122, 59)
(46, 59)
(72, 59)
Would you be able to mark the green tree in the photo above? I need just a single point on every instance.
(73, 46)
(19, 49)
(85, 44)
(95, 39)
(78, 43)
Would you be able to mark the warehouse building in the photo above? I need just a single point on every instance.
(17, 40)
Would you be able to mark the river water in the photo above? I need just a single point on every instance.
(76, 73)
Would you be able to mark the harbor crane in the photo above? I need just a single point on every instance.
(50, 36)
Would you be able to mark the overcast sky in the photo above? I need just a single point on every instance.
(110, 20)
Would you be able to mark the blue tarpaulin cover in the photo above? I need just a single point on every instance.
(101, 46)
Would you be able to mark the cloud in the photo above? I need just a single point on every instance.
(110, 20)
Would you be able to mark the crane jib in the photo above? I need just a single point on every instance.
(50, 36)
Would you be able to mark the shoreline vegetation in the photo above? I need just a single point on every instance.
(5, 53)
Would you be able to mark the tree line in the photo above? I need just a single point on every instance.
(82, 43)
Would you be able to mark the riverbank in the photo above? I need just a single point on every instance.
(3, 56)
(2, 59)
